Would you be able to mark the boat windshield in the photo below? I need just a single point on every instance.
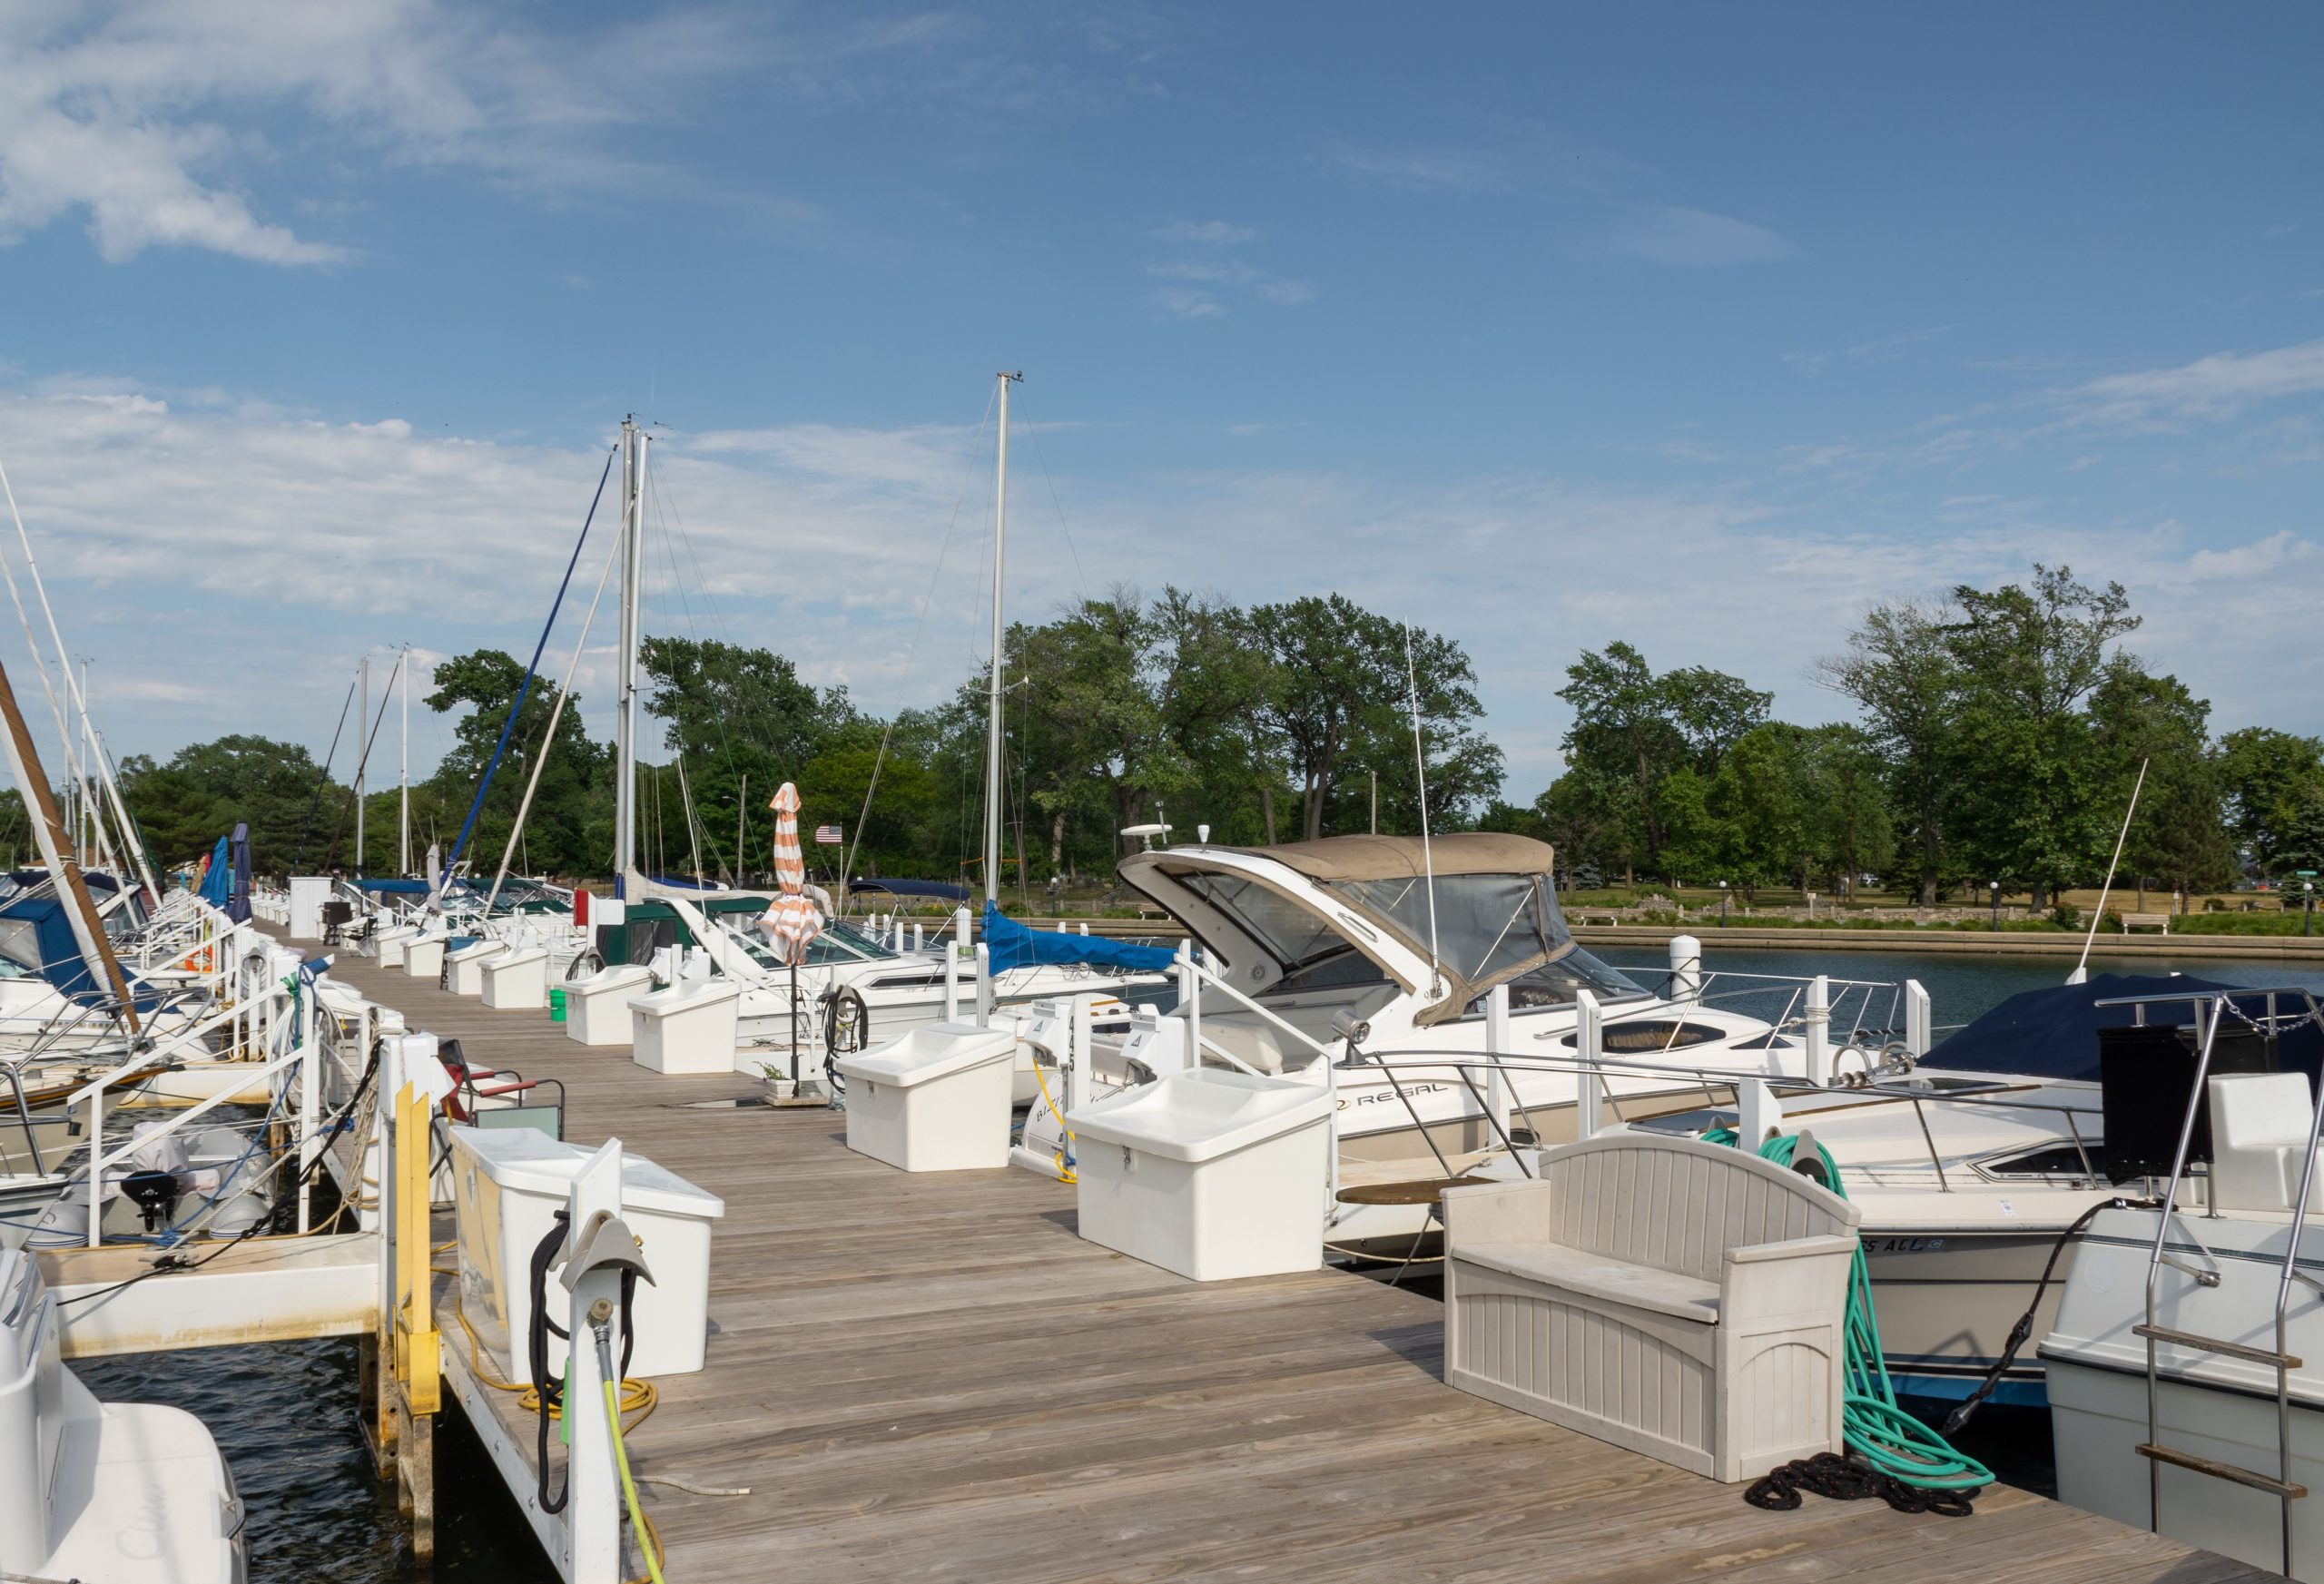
(1553, 984)
(840, 942)
(1481, 925)
(1295, 936)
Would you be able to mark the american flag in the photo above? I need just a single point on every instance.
(827, 836)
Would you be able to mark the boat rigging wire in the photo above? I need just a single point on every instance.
(475, 805)
(324, 779)
(1420, 769)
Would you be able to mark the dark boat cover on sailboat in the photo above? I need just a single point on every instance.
(2053, 1033)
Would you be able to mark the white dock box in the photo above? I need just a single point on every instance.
(388, 944)
(1209, 1173)
(596, 1009)
(308, 895)
(518, 982)
(934, 1100)
(508, 1185)
(423, 959)
(464, 969)
(686, 1029)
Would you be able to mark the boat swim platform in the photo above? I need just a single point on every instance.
(933, 1378)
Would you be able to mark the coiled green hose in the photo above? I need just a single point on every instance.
(1871, 1423)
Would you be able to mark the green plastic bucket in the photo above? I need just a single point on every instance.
(557, 1004)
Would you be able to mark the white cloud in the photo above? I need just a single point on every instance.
(1670, 233)
(269, 550)
(1185, 302)
(147, 115)
(2217, 387)
(1203, 232)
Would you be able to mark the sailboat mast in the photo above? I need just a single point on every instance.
(48, 830)
(403, 772)
(992, 770)
(362, 713)
(633, 469)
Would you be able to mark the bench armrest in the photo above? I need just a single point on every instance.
(1799, 1276)
(1498, 1213)
(1790, 1248)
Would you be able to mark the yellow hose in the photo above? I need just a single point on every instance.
(1064, 1172)
(629, 1487)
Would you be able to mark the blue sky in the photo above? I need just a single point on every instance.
(1703, 326)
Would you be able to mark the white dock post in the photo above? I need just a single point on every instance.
(1077, 1035)
(1686, 968)
(1190, 1000)
(951, 980)
(1917, 1030)
(311, 1079)
(984, 985)
(593, 1506)
(1589, 1083)
(919, 936)
(1817, 1023)
(1499, 1092)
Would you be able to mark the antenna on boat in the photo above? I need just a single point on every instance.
(1420, 770)
(2080, 973)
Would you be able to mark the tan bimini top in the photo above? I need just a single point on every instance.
(1494, 916)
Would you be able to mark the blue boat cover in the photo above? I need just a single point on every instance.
(59, 953)
(2053, 1033)
(1013, 945)
(941, 889)
(217, 884)
(397, 888)
(238, 899)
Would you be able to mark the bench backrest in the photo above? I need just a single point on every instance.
(1678, 1203)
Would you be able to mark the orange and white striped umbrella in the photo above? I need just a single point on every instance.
(794, 919)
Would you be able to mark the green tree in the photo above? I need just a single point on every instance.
(1644, 748)
(186, 804)
(1903, 675)
(1338, 697)
(2273, 781)
(2036, 804)
(569, 830)
(2177, 836)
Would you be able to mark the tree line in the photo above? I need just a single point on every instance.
(1997, 736)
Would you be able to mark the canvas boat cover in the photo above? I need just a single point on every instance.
(2052, 1032)
(1009, 944)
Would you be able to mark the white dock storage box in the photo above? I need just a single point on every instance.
(934, 1100)
(389, 942)
(308, 894)
(1209, 1173)
(508, 1185)
(464, 969)
(686, 1029)
(596, 1009)
(518, 982)
(1717, 1276)
(423, 959)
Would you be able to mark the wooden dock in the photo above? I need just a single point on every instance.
(933, 1378)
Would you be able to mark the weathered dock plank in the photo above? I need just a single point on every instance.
(933, 1378)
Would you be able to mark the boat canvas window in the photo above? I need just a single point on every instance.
(1295, 936)
(1485, 925)
(1553, 984)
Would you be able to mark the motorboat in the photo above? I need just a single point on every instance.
(2186, 1362)
(102, 1492)
(1312, 950)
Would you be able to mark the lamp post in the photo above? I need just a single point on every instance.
(1722, 904)
(1994, 887)
(2307, 906)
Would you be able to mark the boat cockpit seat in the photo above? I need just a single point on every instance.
(2259, 1141)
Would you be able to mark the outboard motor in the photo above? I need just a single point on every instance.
(155, 1194)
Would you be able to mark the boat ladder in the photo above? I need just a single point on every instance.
(2210, 1009)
